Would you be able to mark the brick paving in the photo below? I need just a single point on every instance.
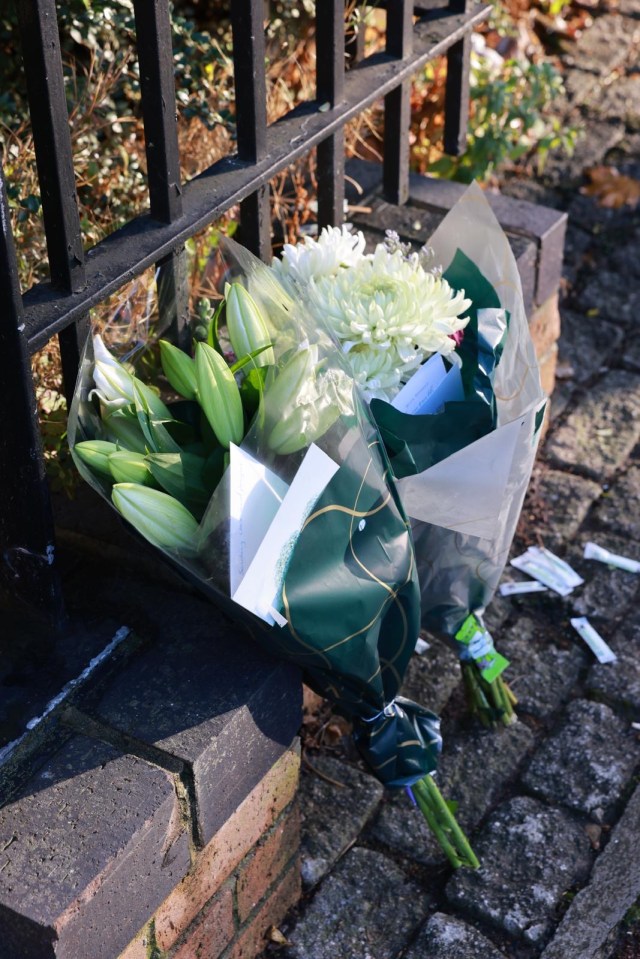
(552, 805)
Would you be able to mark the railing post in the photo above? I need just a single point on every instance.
(155, 55)
(330, 65)
(397, 105)
(54, 158)
(28, 573)
(456, 106)
(247, 19)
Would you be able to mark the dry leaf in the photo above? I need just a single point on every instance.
(611, 188)
(274, 935)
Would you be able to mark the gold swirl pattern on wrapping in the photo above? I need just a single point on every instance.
(393, 594)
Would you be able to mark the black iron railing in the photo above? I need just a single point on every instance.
(416, 33)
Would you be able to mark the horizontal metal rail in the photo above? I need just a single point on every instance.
(141, 243)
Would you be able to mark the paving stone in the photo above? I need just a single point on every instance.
(333, 815)
(619, 683)
(598, 435)
(626, 157)
(608, 592)
(602, 47)
(542, 672)
(576, 244)
(475, 767)
(606, 224)
(561, 400)
(401, 827)
(587, 763)
(568, 171)
(578, 85)
(366, 909)
(618, 509)
(566, 499)
(588, 344)
(229, 717)
(613, 888)
(610, 296)
(432, 676)
(621, 99)
(445, 937)
(530, 855)
(626, 258)
(496, 614)
(631, 356)
(76, 843)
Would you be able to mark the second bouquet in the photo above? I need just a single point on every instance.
(261, 475)
(438, 342)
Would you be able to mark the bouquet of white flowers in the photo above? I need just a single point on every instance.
(262, 477)
(445, 360)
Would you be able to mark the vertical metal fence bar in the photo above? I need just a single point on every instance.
(247, 20)
(27, 549)
(456, 104)
(54, 158)
(155, 55)
(330, 64)
(397, 105)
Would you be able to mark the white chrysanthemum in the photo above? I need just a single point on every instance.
(336, 247)
(389, 314)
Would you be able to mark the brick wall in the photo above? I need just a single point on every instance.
(158, 817)
(242, 883)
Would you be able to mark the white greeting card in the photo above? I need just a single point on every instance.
(255, 497)
(430, 387)
(261, 586)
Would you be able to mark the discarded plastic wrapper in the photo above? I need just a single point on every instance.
(421, 646)
(593, 639)
(547, 568)
(526, 586)
(593, 551)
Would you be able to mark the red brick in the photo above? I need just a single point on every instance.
(544, 326)
(265, 864)
(255, 816)
(213, 932)
(251, 940)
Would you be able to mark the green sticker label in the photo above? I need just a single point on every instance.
(478, 646)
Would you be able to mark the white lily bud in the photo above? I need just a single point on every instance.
(247, 329)
(219, 396)
(160, 518)
(95, 453)
(127, 467)
(179, 369)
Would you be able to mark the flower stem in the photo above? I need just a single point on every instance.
(492, 702)
(443, 824)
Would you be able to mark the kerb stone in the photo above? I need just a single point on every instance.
(613, 888)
